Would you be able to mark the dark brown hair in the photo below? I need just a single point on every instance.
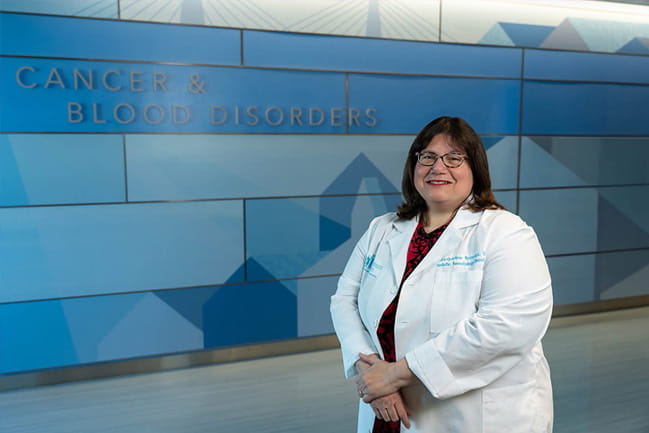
(463, 137)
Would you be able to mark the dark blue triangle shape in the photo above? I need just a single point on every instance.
(332, 234)
(188, 302)
(250, 313)
(527, 35)
(634, 46)
(490, 141)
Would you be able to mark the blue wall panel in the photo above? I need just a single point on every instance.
(251, 313)
(570, 66)
(86, 8)
(34, 335)
(308, 236)
(507, 199)
(578, 161)
(502, 154)
(622, 274)
(58, 169)
(313, 299)
(116, 40)
(561, 108)
(371, 55)
(630, 202)
(56, 252)
(210, 99)
(573, 278)
(564, 219)
(588, 219)
(173, 167)
(405, 104)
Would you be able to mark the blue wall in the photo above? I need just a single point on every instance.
(168, 188)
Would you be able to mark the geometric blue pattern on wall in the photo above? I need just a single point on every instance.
(636, 46)
(526, 35)
(254, 312)
(12, 186)
(34, 336)
(332, 234)
(490, 140)
(335, 215)
(566, 37)
(61, 169)
(573, 278)
(91, 319)
(612, 268)
(496, 35)
(189, 302)
(351, 177)
(152, 326)
(615, 230)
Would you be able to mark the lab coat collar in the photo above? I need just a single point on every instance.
(465, 217)
(399, 240)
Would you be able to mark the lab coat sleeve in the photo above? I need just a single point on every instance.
(352, 334)
(513, 313)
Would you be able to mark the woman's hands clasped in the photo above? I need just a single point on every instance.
(378, 384)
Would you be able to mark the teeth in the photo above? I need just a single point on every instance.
(438, 182)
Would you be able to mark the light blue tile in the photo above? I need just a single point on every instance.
(503, 163)
(308, 236)
(566, 161)
(150, 328)
(622, 274)
(169, 98)
(564, 65)
(81, 8)
(91, 318)
(313, 299)
(185, 167)
(288, 50)
(54, 252)
(630, 201)
(561, 108)
(507, 199)
(33, 336)
(58, 169)
(540, 168)
(573, 278)
(565, 220)
(116, 40)
(405, 104)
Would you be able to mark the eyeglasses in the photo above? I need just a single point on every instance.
(451, 160)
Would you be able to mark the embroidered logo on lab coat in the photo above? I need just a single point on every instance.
(370, 266)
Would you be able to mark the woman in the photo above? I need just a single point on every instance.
(441, 308)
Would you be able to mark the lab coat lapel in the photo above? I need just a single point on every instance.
(398, 242)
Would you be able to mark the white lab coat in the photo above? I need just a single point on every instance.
(469, 322)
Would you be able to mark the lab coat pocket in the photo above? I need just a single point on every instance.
(455, 297)
(510, 409)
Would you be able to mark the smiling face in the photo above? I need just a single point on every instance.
(443, 189)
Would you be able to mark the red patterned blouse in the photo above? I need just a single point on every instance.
(420, 244)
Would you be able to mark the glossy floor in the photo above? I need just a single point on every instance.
(600, 368)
